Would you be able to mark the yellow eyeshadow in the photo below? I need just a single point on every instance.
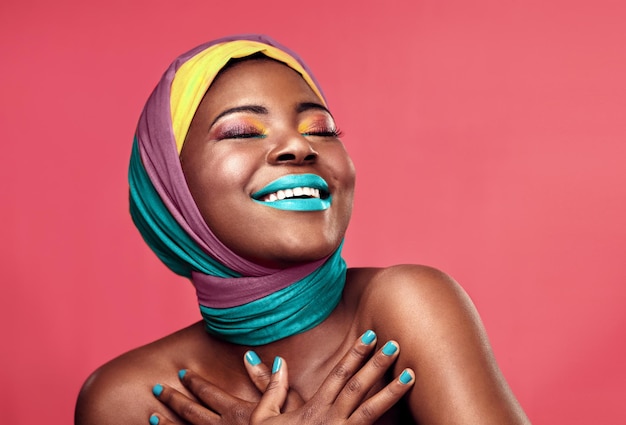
(315, 124)
(238, 126)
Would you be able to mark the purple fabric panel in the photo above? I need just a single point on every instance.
(162, 164)
(161, 161)
(216, 292)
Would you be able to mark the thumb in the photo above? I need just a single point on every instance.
(275, 394)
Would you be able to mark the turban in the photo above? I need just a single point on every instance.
(240, 301)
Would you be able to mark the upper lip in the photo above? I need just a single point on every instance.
(291, 181)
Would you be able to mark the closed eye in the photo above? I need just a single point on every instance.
(324, 133)
(245, 136)
(240, 131)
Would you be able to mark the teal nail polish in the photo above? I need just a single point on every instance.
(182, 373)
(389, 348)
(278, 362)
(252, 358)
(154, 420)
(368, 337)
(405, 377)
(157, 389)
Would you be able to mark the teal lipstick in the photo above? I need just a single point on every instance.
(295, 192)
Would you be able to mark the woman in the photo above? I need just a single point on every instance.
(239, 181)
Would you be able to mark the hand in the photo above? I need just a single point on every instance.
(215, 406)
(338, 401)
(218, 407)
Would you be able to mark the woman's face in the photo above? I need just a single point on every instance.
(260, 122)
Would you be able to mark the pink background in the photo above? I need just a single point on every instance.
(489, 137)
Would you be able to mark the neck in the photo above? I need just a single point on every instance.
(312, 352)
(289, 311)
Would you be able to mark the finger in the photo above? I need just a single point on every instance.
(183, 406)
(346, 368)
(258, 372)
(157, 419)
(275, 394)
(293, 402)
(366, 378)
(260, 375)
(213, 397)
(379, 403)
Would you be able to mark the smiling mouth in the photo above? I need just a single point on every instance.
(296, 192)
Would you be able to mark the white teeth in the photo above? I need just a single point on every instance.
(290, 193)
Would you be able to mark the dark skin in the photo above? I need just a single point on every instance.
(284, 129)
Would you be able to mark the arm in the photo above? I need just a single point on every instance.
(444, 342)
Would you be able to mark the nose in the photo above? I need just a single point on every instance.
(292, 149)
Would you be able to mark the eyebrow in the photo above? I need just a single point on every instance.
(255, 109)
(262, 110)
(306, 106)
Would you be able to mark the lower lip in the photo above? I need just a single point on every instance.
(299, 204)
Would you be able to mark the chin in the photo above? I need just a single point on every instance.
(293, 254)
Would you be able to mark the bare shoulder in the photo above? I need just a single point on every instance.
(442, 338)
(106, 395)
(407, 288)
(422, 308)
(120, 391)
(415, 305)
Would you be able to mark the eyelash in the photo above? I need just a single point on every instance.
(242, 132)
(248, 132)
(335, 132)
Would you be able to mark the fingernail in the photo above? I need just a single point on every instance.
(154, 420)
(389, 348)
(368, 337)
(252, 358)
(405, 377)
(157, 389)
(278, 362)
(182, 373)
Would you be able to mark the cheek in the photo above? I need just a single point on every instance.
(230, 169)
(349, 180)
(343, 171)
(216, 178)
(343, 180)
